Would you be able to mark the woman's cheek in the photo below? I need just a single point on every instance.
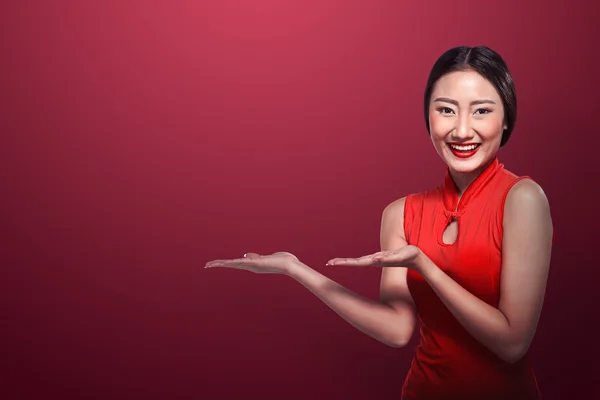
(440, 126)
(489, 129)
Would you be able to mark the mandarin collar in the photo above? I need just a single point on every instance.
(453, 208)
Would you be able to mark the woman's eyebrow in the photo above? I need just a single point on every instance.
(474, 102)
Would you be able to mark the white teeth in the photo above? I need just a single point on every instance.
(463, 148)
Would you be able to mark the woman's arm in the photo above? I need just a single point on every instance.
(527, 239)
(390, 321)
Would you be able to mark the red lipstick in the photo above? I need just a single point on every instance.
(464, 153)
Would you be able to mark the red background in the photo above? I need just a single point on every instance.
(142, 139)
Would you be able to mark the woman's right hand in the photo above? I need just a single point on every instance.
(277, 263)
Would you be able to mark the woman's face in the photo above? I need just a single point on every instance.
(466, 120)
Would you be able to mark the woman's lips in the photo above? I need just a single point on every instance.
(464, 150)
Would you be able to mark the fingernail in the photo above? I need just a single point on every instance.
(245, 254)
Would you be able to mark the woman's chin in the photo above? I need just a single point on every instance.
(464, 165)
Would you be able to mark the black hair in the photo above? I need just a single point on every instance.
(488, 64)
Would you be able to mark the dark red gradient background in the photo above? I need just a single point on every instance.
(141, 139)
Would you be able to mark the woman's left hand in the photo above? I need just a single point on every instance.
(407, 256)
(277, 263)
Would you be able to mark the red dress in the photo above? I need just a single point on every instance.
(450, 363)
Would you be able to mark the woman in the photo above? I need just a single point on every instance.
(470, 257)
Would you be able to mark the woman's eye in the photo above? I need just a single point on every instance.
(445, 110)
(482, 111)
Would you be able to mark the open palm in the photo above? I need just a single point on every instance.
(403, 257)
(276, 263)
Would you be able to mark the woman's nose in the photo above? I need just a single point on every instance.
(462, 129)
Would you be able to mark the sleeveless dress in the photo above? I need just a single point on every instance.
(449, 363)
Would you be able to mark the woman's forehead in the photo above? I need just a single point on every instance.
(466, 85)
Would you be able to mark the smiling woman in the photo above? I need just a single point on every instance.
(469, 258)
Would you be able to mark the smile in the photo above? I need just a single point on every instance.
(464, 150)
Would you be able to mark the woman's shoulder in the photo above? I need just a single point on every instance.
(520, 189)
(395, 209)
(412, 202)
(408, 205)
(525, 192)
(527, 205)
(524, 199)
(398, 205)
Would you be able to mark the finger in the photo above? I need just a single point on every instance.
(383, 255)
(337, 261)
(239, 263)
(391, 258)
(373, 256)
(214, 263)
(251, 255)
(364, 260)
(349, 262)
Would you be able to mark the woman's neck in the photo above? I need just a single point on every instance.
(464, 179)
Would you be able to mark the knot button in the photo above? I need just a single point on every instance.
(453, 214)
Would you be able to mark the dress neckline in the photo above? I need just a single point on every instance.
(453, 207)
